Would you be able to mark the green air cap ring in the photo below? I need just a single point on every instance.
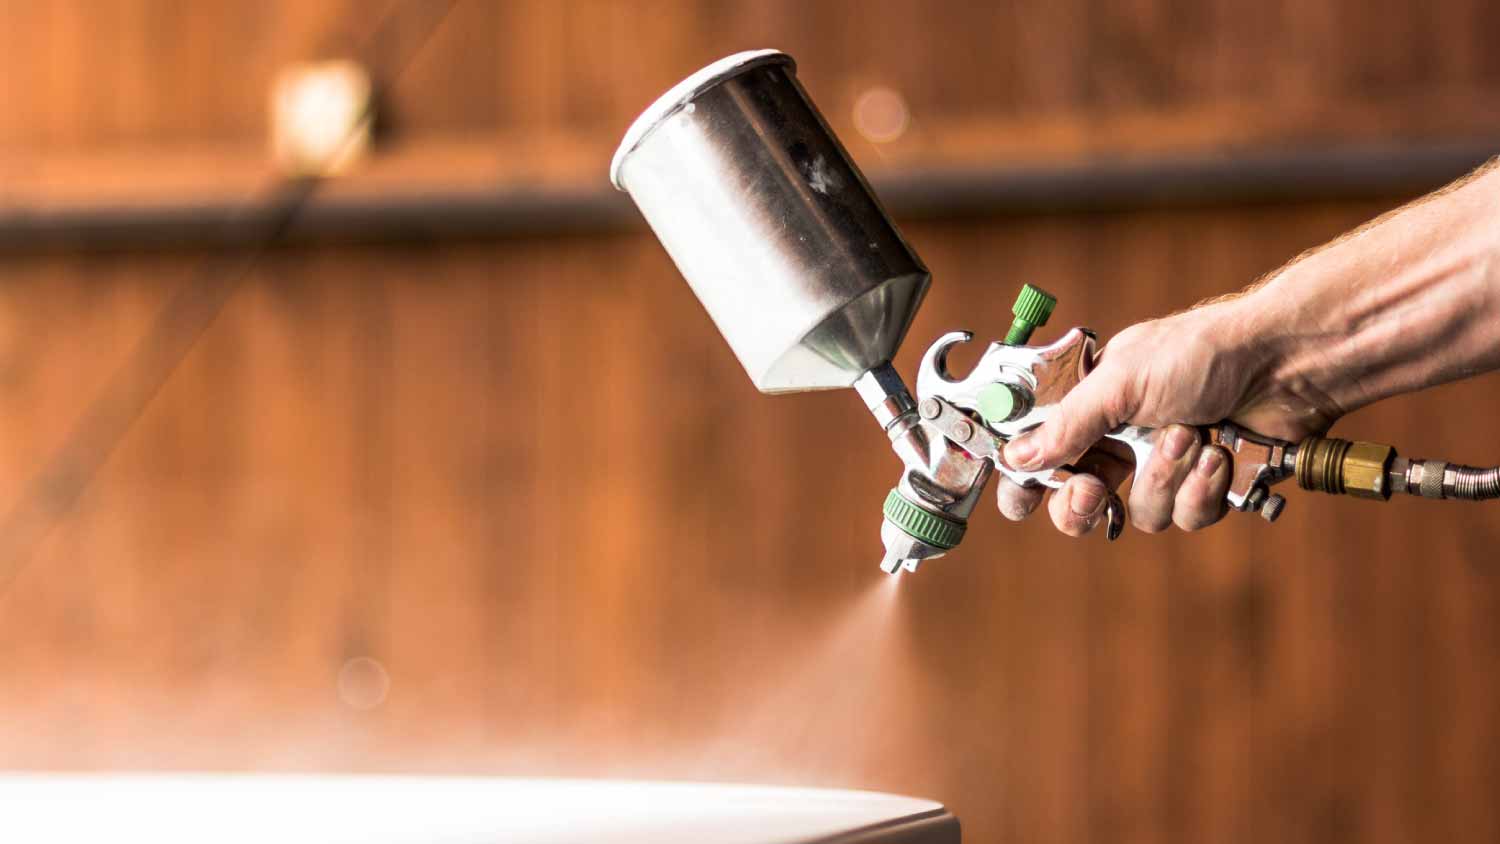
(928, 527)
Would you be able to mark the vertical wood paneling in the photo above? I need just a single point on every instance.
(148, 72)
(579, 543)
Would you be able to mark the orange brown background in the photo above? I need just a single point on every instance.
(501, 451)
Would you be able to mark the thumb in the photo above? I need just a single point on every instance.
(1088, 412)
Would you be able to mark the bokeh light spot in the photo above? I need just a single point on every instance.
(363, 682)
(881, 115)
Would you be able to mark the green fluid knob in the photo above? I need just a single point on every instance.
(998, 403)
(1032, 309)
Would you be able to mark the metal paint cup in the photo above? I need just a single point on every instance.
(771, 224)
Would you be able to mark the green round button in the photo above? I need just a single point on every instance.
(997, 403)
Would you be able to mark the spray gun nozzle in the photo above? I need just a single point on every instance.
(892, 564)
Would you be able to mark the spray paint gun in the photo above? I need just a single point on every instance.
(808, 279)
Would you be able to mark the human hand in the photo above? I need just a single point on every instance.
(1193, 368)
(1405, 302)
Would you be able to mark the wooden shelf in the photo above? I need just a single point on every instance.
(444, 186)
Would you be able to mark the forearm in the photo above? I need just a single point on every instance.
(1411, 301)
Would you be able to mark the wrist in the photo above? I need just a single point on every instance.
(1281, 333)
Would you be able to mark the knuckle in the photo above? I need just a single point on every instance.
(1194, 521)
(1016, 503)
(1150, 521)
(1063, 518)
(1087, 492)
(1157, 480)
(1187, 434)
(1117, 406)
(1198, 511)
(1076, 526)
(1058, 439)
(1151, 498)
(1128, 340)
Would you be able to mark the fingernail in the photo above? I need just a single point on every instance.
(1022, 454)
(1210, 462)
(1085, 500)
(1177, 441)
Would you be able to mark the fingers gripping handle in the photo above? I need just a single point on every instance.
(1114, 508)
(980, 441)
(1015, 388)
(1035, 380)
(1256, 461)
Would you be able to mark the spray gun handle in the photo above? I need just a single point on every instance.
(956, 431)
(1013, 389)
(1257, 462)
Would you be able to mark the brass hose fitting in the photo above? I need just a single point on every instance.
(1343, 467)
(1373, 470)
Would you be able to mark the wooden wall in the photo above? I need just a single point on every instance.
(524, 475)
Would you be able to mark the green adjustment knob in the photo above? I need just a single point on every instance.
(1000, 402)
(929, 527)
(1032, 309)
